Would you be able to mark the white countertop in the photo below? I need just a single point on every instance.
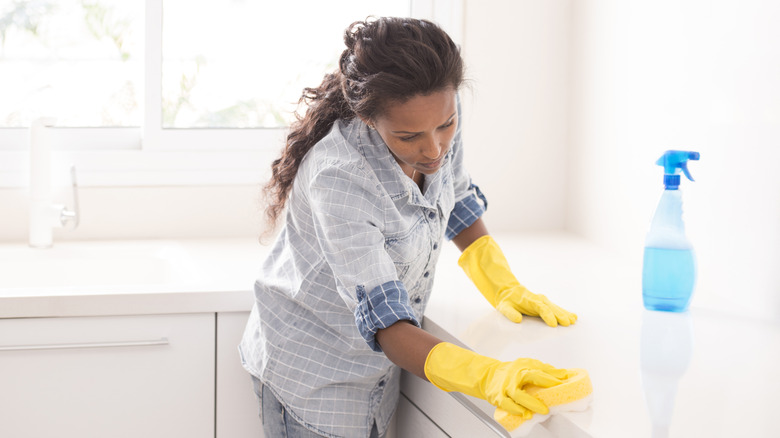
(87, 278)
(728, 388)
(715, 374)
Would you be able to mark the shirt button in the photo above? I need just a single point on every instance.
(435, 246)
(417, 300)
(431, 215)
(426, 274)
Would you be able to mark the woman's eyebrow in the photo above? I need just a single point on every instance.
(409, 132)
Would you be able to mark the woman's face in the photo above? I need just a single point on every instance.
(419, 132)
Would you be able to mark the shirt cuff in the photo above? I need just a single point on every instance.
(380, 308)
(466, 212)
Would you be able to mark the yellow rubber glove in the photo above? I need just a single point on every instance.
(486, 266)
(452, 368)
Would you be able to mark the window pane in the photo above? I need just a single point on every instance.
(77, 60)
(244, 63)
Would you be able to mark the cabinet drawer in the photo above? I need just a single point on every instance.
(125, 376)
(410, 421)
(451, 416)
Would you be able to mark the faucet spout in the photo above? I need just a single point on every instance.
(72, 216)
(44, 214)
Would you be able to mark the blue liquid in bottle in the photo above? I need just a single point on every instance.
(668, 278)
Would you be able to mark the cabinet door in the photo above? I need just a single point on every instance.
(456, 419)
(125, 376)
(237, 405)
(410, 422)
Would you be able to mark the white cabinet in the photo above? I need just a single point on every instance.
(120, 376)
(162, 376)
(411, 422)
(237, 405)
(445, 411)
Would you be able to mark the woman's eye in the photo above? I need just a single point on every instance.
(412, 137)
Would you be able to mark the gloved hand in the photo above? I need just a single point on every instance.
(486, 266)
(452, 368)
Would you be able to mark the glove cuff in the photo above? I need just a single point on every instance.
(452, 368)
(485, 264)
(472, 251)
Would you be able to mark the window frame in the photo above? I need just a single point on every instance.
(151, 155)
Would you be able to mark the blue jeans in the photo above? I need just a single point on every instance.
(278, 423)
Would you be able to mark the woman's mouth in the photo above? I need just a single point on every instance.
(432, 165)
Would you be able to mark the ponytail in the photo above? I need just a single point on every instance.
(325, 104)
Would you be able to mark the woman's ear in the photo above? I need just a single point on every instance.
(367, 122)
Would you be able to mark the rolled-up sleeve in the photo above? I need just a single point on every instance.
(348, 213)
(380, 308)
(466, 212)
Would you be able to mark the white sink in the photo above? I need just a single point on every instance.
(86, 264)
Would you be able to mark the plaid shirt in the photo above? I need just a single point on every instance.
(356, 254)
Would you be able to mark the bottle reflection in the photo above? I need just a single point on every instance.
(665, 351)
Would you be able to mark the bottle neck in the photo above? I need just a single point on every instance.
(671, 182)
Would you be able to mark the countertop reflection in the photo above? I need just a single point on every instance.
(705, 372)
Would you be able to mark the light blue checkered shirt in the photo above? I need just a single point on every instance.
(357, 253)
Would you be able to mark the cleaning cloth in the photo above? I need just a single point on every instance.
(574, 394)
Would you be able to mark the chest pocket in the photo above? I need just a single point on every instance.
(410, 250)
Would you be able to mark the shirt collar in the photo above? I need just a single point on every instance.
(394, 180)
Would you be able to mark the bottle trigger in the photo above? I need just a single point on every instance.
(684, 167)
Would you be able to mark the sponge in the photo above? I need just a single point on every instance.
(574, 394)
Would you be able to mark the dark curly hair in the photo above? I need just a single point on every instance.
(387, 60)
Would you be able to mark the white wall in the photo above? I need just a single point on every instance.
(163, 212)
(682, 74)
(515, 129)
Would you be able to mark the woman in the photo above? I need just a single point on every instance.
(372, 180)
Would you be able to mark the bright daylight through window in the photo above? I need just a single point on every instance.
(225, 64)
(168, 92)
(81, 61)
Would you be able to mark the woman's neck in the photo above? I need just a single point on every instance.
(418, 179)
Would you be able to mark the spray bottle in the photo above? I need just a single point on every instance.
(669, 270)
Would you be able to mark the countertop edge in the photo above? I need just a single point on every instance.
(126, 304)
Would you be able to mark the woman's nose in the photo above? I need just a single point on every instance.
(431, 149)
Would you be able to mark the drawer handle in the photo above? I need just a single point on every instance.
(161, 341)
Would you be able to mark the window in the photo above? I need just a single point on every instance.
(79, 60)
(276, 49)
(168, 91)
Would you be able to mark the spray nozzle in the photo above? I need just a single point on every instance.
(674, 162)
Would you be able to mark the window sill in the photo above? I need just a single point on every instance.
(118, 157)
(131, 168)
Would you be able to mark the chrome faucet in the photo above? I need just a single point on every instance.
(44, 214)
